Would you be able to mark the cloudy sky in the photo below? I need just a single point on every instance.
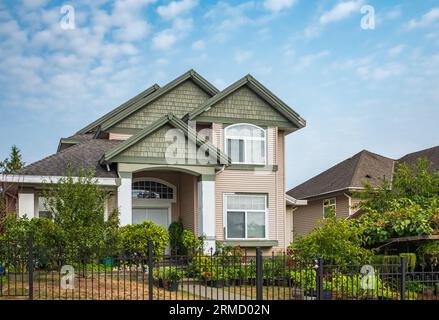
(375, 89)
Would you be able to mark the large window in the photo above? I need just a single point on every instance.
(245, 143)
(148, 189)
(329, 207)
(246, 216)
(43, 208)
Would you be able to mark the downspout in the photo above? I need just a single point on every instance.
(349, 203)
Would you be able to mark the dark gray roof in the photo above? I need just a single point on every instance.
(85, 155)
(364, 166)
(82, 137)
(431, 153)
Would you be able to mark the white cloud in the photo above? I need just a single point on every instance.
(380, 72)
(278, 5)
(396, 50)
(341, 11)
(166, 38)
(309, 59)
(426, 20)
(198, 45)
(242, 56)
(176, 8)
(34, 4)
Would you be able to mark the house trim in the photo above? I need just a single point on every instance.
(15, 178)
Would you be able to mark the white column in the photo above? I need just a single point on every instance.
(124, 198)
(206, 211)
(26, 205)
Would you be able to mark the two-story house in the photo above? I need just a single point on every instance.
(186, 150)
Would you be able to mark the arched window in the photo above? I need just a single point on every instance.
(151, 189)
(245, 143)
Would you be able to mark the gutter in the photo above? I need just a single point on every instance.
(16, 178)
(294, 202)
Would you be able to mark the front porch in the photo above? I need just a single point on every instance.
(164, 194)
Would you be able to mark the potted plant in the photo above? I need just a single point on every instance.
(211, 279)
(174, 276)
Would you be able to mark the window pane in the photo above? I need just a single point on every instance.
(235, 224)
(235, 150)
(245, 202)
(246, 131)
(255, 151)
(256, 224)
(151, 190)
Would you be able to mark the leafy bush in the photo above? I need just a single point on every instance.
(175, 237)
(135, 238)
(337, 241)
(410, 261)
(429, 253)
(169, 273)
(304, 279)
(190, 242)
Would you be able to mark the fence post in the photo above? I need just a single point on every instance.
(403, 274)
(150, 270)
(319, 279)
(258, 274)
(31, 265)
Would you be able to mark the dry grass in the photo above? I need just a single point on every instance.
(110, 286)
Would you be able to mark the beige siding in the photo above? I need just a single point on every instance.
(305, 218)
(249, 181)
(188, 201)
(118, 136)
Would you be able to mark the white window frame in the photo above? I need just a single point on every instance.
(226, 137)
(225, 195)
(155, 201)
(334, 205)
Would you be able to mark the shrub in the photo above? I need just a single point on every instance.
(134, 239)
(410, 261)
(337, 241)
(304, 279)
(429, 253)
(175, 237)
(169, 273)
(190, 242)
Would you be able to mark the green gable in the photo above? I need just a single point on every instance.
(244, 104)
(247, 100)
(150, 145)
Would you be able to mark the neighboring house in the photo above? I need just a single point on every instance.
(221, 172)
(332, 190)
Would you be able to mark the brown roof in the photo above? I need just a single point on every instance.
(431, 153)
(364, 166)
(85, 155)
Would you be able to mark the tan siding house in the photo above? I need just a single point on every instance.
(213, 159)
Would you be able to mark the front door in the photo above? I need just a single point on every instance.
(159, 216)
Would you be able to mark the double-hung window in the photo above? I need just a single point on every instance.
(246, 144)
(246, 216)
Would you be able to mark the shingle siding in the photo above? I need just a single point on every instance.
(244, 104)
(179, 101)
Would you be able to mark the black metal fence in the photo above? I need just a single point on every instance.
(27, 272)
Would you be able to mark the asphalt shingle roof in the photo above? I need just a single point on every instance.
(431, 153)
(350, 173)
(85, 155)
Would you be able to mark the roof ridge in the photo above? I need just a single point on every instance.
(191, 74)
(142, 95)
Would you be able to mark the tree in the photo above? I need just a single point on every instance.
(409, 206)
(8, 166)
(13, 163)
(77, 208)
(411, 183)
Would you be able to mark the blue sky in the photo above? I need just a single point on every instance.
(375, 89)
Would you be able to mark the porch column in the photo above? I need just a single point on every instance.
(124, 198)
(206, 210)
(26, 205)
